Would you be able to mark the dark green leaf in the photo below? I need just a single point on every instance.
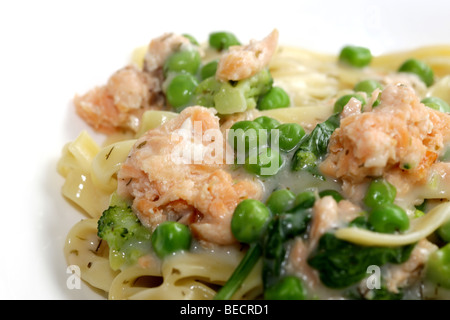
(315, 145)
(341, 263)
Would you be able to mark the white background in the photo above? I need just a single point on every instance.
(51, 50)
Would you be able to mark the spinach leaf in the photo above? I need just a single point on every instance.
(281, 228)
(341, 263)
(314, 146)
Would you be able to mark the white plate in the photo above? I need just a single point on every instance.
(54, 49)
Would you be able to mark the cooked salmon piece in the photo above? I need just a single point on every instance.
(328, 214)
(298, 263)
(241, 62)
(407, 273)
(202, 194)
(160, 48)
(120, 103)
(130, 91)
(400, 137)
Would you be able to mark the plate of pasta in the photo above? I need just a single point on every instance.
(238, 163)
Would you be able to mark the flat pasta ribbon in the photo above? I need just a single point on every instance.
(421, 228)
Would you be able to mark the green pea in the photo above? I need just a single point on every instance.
(223, 40)
(170, 237)
(280, 201)
(244, 135)
(208, 70)
(266, 162)
(342, 101)
(267, 123)
(389, 218)
(183, 60)
(288, 288)
(329, 192)
(438, 267)
(419, 68)
(367, 86)
(379, 192)
(436, 104)
(444, 231)
(305, 199)
(289, 136)
(355, 56)
(274, 99)
(249, 220)
(180, 90)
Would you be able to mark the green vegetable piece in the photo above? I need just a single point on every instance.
(244, 136)
(222, 40)
(180, 90)
(265, 162)
(314, 146)
(289, 136)
(205, 92)
(341, 264)
(274, 99)
(183, 61)
(355, 56)
(305, 160)
(419, 68)
(170, 237)
(191, 39)
(380, 192)
(281, 228)
(329, 192)
(360, 222)
(233, 96)
(342, 101)
(367, 86)
(267, 123)
(230, 99)
(280, 201)
(255, 87)
(444, 231)
(208, 70)
(438, 267)
(240, 273)
(305, 199)
(249, 220)
(436, 104)
(294, 222)
(423, 206)
(389, 218)
(287, 288)
(127, 238)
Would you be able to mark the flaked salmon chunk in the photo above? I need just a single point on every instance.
(120, 103)
(129, 92)
(202, 194)
(399, 139)
(241, 62)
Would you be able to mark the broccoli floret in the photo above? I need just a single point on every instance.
(127, 238)
(228, 97)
